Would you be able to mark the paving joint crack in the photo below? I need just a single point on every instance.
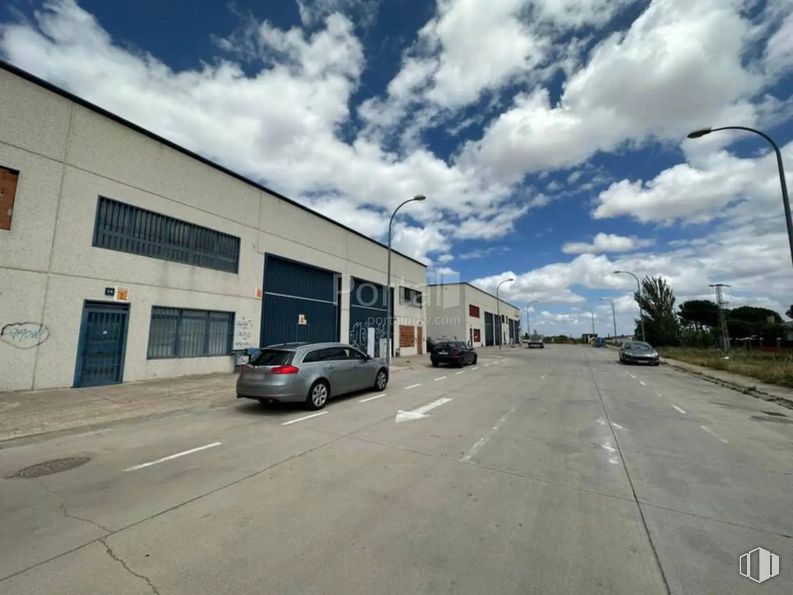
(121, 561)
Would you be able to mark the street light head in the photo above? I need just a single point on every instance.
(699, 133)
(618, 272)
(419, 197)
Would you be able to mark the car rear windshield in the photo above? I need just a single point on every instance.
(273, 357)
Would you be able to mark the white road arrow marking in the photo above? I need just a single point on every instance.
(421, 411)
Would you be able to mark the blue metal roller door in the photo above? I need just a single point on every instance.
(293, 288)
(489, 335)
(368, 309)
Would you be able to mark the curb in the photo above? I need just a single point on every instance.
(752, 391)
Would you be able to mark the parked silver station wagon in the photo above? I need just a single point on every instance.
(309, 373)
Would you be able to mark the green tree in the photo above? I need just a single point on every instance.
(754, 315)
(699, 314)
(657, 302)
(751, 321)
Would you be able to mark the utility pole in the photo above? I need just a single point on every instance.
(725, 335)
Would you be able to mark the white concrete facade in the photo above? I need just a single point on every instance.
(67, 154)
(451, 314)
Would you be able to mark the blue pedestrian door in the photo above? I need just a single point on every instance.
(103, 340)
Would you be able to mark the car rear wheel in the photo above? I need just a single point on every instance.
(381, 380)
(460, 362)
(318, 395)
(476, 357)
(434, 364)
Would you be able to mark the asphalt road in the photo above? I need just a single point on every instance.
(543, 471)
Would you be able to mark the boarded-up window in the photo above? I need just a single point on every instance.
(8, 192)
(473, 311)
(407, 336)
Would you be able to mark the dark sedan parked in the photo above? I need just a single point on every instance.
(455, 353)
(638, 352)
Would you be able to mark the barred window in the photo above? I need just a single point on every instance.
(179, 332)
(127, 228)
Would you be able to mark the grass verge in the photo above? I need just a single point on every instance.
(773, 368)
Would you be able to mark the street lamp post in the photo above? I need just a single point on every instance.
(780, 167)
(498, 310)
(613, 314)
(418, 197)
(639, 292)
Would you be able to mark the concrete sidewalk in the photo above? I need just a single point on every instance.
(752, 386)
(27, 413)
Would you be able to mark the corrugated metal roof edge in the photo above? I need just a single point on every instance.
(478, 289)
(116, 118)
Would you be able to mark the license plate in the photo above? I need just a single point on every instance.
(442, 353)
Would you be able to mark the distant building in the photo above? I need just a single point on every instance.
(466, 313)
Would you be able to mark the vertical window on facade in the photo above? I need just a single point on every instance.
(127, 228)
(8, 192)
(473, 311)
(179, 332)
(409, 296)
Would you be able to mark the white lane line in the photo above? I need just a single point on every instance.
(305, 417)
(460, 372)
(714, 434)
(475, 368)
(173, 456)
(367, 399)
(631, 375)
(619, 427)
(679, 409)
(440, 378)
(413, 386)
(486, 365)
(642, 382)
(542, 377)
(659, 394)
(483, 440)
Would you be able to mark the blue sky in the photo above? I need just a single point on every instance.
(548, 135)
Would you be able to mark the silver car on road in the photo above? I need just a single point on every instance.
(309, 373)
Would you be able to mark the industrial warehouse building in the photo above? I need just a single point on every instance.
(466, 313)
(126, 257)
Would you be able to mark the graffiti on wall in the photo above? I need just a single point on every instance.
(243, 333)
(24, 335)
(359, 333)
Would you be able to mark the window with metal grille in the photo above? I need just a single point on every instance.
(127, 228)
(179, 332)
(8, 191)
(409, 296)
(473, 311)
